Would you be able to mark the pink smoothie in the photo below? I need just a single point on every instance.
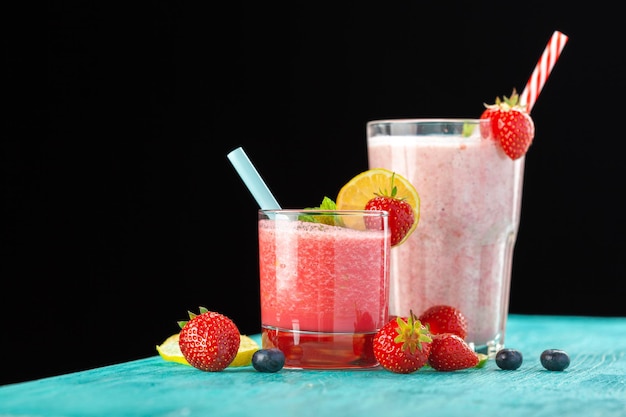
(321, 278)
(461, 252)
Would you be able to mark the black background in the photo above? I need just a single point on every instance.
(122, 212)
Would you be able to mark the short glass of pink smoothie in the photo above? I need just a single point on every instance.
(470, 199)
(324, 285)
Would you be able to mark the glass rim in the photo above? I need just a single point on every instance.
(458, 129)
(378, 213)
(455, 120)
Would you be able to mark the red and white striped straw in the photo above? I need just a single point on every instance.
(542, 70)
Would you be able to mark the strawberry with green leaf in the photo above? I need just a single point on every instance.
(209, 341)
(402, 345)
(402, 219)
(510, 124)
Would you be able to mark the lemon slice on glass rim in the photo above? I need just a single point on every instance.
(355, 194)
(170, 351)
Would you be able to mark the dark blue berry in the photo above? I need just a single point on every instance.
(268, 360)
(509, 359)
(554, 359)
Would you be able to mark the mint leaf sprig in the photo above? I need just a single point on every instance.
(327, 204)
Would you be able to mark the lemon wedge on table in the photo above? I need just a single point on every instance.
(355, 194)
(247, 347)
(170, 351)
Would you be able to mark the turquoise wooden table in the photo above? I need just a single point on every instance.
(593, 385)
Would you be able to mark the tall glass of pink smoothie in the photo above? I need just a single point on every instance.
(324, 285)
(470, 200)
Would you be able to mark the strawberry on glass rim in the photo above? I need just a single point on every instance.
(511, 125)
(401, 214)
(382, 189)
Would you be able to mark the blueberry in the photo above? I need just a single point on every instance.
(509, 359)
(554, 359)
(268, 360)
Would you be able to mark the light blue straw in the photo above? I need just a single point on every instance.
(253, 180)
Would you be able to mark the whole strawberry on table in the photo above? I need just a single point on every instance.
(209, 341)
(435, 339)
(403, 345)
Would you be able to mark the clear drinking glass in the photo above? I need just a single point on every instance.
(470, 199)
(324, 281)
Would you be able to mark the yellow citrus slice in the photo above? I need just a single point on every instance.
(170, 351)
(247, 347)
(355, 194)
